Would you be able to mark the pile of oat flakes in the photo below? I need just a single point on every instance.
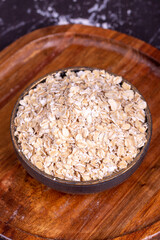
(82, 126)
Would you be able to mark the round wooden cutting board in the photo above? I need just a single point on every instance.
(30, 210)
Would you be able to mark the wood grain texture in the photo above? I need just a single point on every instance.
(30, 210)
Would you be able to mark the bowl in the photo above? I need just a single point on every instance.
(78, 187)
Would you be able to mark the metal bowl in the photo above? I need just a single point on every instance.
(75, 187)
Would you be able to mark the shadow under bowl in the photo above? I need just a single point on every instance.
(77, 187)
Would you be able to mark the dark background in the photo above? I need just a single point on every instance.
(139, 18)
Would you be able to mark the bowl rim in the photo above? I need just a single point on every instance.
(70, 182)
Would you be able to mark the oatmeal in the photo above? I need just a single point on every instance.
(81, 126)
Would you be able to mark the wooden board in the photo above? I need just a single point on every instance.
(30, 210)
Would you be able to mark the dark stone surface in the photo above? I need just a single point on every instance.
(139, 18)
